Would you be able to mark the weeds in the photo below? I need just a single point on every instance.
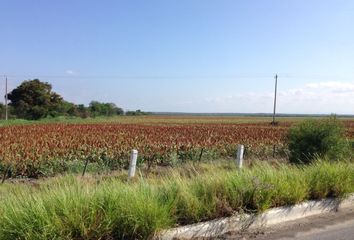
(71, 207)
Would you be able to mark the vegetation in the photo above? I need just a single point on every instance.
(148, 119)
(104, 207)
(323, 138)
(36, 150)
(136, 113)
(104, 109)
(100, 208)
(34, 100)
(2, 111)
(56, 146)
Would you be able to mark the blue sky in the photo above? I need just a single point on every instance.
(185, 55)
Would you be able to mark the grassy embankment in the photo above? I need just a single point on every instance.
(101, 207)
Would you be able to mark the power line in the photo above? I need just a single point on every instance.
(317, 77)
(140, 76)
(150, 77)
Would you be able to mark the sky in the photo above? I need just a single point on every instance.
(185, 55)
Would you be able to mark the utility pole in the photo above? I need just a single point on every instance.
(275, 98)
(6, 115)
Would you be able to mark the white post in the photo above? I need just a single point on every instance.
(239, 160)
(132, 165)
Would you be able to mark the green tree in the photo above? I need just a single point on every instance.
(104, 109)
(34, 99)
(136, 113)
(82, 111)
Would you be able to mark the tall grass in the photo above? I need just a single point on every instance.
(93, 208)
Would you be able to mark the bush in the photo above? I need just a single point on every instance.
(313, 139)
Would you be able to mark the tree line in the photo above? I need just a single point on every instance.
(34, 100)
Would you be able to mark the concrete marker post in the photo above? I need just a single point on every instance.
(132, 165)
(239, 159)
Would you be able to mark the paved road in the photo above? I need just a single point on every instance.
(333, 226)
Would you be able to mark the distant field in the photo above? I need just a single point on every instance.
(148, 120)
(163, 119)
(54, 146)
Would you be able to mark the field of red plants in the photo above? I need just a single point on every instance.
(30, 148)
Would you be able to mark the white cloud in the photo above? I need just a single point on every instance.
(312, 85)
(333, 86)
(323, 97)
(71, 72)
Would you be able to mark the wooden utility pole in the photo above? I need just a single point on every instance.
(275, 98)
(6, 110)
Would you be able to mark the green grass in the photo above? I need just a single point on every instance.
(101, 207)
(155, 119)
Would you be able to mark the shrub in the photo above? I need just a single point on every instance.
(312, 139)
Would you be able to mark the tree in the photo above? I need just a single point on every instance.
(136, 113)
(104, 109)
(34, 99)
(74, 110)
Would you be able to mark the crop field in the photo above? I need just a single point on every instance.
(35, 150)
(185, 174)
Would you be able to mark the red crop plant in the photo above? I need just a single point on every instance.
(30, 147)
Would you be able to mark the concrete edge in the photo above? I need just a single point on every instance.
(270, 217)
